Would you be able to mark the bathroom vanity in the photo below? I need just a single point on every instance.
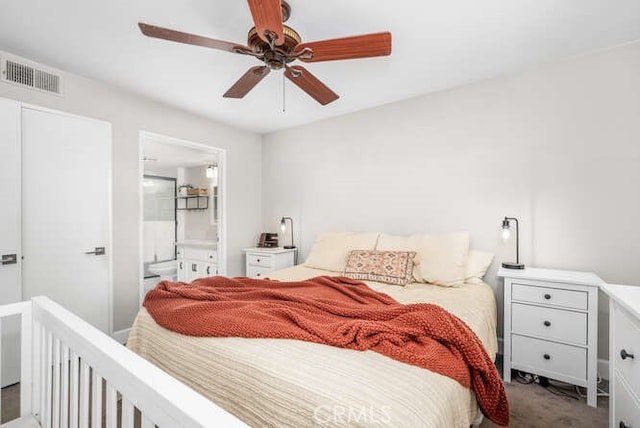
(196, 259)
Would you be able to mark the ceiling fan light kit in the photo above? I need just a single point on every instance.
(277, 45)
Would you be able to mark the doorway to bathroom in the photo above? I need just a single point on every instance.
(182, 221)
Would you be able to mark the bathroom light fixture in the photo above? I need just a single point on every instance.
(506, 232)
(283, 227)
(212, 171)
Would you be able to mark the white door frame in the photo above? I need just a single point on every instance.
(109, 244)
(222, 180)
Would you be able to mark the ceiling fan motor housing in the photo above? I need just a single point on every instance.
(277, 57)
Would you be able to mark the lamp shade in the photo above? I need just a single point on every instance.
(506, 232)
(283, 227)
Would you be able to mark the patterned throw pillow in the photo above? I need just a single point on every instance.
(392, 267)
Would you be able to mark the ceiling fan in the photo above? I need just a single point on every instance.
(277, 45)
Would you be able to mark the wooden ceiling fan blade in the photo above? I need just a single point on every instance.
(310, 84)
(267, 15)
(247, 82)
(187, 38)
(364, 46)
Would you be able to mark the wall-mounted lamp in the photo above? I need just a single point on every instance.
(283, 227)
(212, 171)
(506, 232)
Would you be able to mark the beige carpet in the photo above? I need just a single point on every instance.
(533, 406)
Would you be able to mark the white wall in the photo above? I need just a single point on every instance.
(129, 114)
(557, 146)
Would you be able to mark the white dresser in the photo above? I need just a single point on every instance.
(196, 259)
(624, 355)
(261, 261)
(551, 325)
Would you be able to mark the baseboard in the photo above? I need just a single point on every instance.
(121, 335)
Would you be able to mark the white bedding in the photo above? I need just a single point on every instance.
(289, 383)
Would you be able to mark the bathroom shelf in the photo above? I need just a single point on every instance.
(192, 203)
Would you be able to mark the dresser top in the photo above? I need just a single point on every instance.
(627, 296)
(553, 275)
(269, 250)
(198, 244)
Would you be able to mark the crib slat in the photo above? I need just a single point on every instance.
(127, 413)
(48, 378)
(96, 399)
(36, 354)
(64, 402)
(74, 396)
(27, 404)
(55, 420)
(84, 395)
(146, 422)
(111, 407)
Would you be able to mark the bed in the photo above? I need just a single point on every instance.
(291, 383)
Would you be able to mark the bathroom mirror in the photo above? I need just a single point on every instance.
(159, 219)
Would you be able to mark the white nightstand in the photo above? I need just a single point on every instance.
(624, 354)
(551, 325)
(261, 261)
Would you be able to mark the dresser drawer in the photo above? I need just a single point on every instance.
(626, 408)
(573, 299)
(550, 323)
(258, 272)
(265, 260)
(627, 339)
(551, 359)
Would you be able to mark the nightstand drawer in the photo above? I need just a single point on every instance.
(548, 358)
(265, 260)
(550, 296)
(549, 323)
(626, 408)
(627, 343)
(258, 272)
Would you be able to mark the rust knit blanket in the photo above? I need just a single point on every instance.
(334, 311)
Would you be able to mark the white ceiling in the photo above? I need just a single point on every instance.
(436, 45)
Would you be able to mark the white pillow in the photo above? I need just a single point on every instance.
(441, 259)
(477, 264)
(331, 249)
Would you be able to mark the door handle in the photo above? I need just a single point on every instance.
(99, 251)
(9, 259)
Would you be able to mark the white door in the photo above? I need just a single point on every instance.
(10, 290)
(65, 212)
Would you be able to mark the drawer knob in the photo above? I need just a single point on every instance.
(623, 425)
(624, 354)
(546, 356)
(547, 296)
(547, 323)
(258, 260)
(258, 274)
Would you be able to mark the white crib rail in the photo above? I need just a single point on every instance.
(73, 364)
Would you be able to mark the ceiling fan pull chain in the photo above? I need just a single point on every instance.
(283, 97)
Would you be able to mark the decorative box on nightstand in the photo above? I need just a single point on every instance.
(261, 261)
(551, 325)
(624, 355)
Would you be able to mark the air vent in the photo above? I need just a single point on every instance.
(31, 76)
